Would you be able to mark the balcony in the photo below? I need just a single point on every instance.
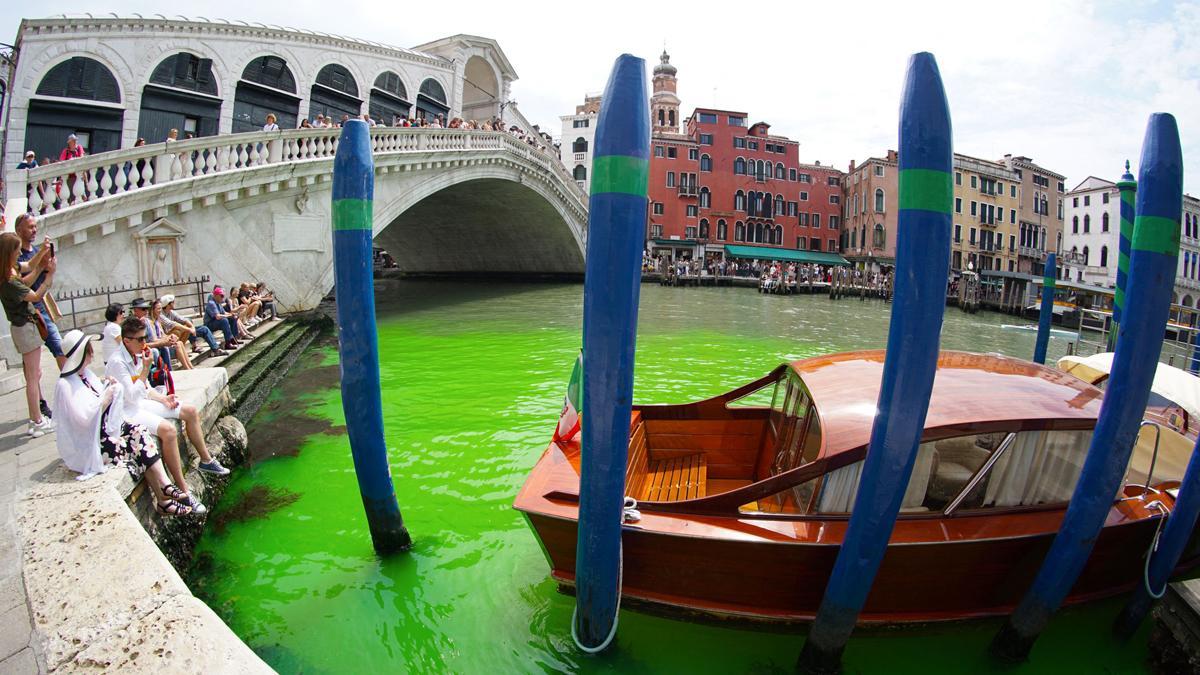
(1030, 252)
(689, 190)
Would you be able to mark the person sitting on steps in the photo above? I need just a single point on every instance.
(130, 368)
(216, 319)
(91, 436)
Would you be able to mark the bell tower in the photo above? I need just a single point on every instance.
(664, 103)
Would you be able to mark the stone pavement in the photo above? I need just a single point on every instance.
(83, 588)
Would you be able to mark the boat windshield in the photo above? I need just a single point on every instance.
(1034, 467)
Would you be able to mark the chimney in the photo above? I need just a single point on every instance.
(892, 156)
(851, 167)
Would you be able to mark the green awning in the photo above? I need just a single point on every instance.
(786, 254)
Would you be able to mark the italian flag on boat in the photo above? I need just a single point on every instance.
(572, 412)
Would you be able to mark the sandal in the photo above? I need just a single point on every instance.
(170, 490)
(172, 508)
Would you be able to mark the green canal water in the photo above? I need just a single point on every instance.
(473, 379)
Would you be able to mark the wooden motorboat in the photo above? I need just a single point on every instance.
(743, 506)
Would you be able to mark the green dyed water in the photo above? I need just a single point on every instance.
(473, 378)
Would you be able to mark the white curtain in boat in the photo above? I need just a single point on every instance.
(840, 488)
(1041, 467)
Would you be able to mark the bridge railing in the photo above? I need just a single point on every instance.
(70, 184)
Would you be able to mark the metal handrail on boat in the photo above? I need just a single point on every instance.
(1153, 456)
(975, 480)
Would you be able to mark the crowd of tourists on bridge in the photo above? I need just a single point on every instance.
(113, 419)
(73, 149)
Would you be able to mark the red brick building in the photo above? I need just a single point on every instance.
(726, 182)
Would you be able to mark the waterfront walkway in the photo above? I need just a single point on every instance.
(83, 587)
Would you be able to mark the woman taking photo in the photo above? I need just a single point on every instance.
(89, 437)
(17, 300)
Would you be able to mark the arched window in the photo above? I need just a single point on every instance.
(880, 236)
(1074, 224)
(705, 163)
(1045, 207)
(878, 200)
(1104, 256)
(705, 198)
(580, 145)
(854, 238)
(752, 203)
(1104, 223)
(186, 71)
(1087, 223)
(81, 78)
(580, 172)
(335, 93)
(739, 231)
(671, 117)
(760, 170)
(722, 230)
(433, 89)
(270, 71)
(389, 98)
(704, 228)
(1086, 257)
(779, 234)
(739, 202)
(758, 233)
(780, 172)
(739, 166)
(169, 99)
(662, 118)
(780, 207)
(337, 78)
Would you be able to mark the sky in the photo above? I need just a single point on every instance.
(1067, 83)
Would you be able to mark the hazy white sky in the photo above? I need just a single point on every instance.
(1065, 82)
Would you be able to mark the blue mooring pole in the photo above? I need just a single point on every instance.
(1155, 248)
(612, 281)
(1170, 548)
(922, 263)
(358, 346)
(1049, 278)
(1127, 188)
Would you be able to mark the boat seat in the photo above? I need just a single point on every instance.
(958, 460)
(676, 478)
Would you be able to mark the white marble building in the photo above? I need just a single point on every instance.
(1092, 232)
(112, 80)
(578, 137)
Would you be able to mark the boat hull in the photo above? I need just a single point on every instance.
(785, 581)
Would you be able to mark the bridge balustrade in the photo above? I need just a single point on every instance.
(62, 186)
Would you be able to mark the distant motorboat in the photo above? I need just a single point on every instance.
(1054, 332)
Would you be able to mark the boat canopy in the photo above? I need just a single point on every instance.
(784, 254)
(1173, 384)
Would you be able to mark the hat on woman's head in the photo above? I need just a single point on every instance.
(74, 345)
(217, 290)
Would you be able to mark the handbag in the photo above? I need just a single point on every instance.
(43, 330)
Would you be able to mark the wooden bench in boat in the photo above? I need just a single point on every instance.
(669, 478)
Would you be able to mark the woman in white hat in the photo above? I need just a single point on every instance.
(89, 437)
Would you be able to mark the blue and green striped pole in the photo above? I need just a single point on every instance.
(1127, 188)
(612, 281)
(1048, 283)
(358, 346)
(1154, 251)
(922, 263)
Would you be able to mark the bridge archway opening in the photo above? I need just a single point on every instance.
(267, 86)
(87, 104)
(181, 94)
(389, 98)
(481, 90)
(432, 101)
(480, 227)
(335, 94)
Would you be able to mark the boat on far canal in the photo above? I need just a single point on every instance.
(742, 508)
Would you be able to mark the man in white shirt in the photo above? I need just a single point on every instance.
(130, 368)
(270, 125)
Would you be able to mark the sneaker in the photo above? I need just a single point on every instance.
(213, 467)
(194, 504)
(44, 408)
(42, 428)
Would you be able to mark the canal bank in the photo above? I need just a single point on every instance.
(473, 378)
(89, 576)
